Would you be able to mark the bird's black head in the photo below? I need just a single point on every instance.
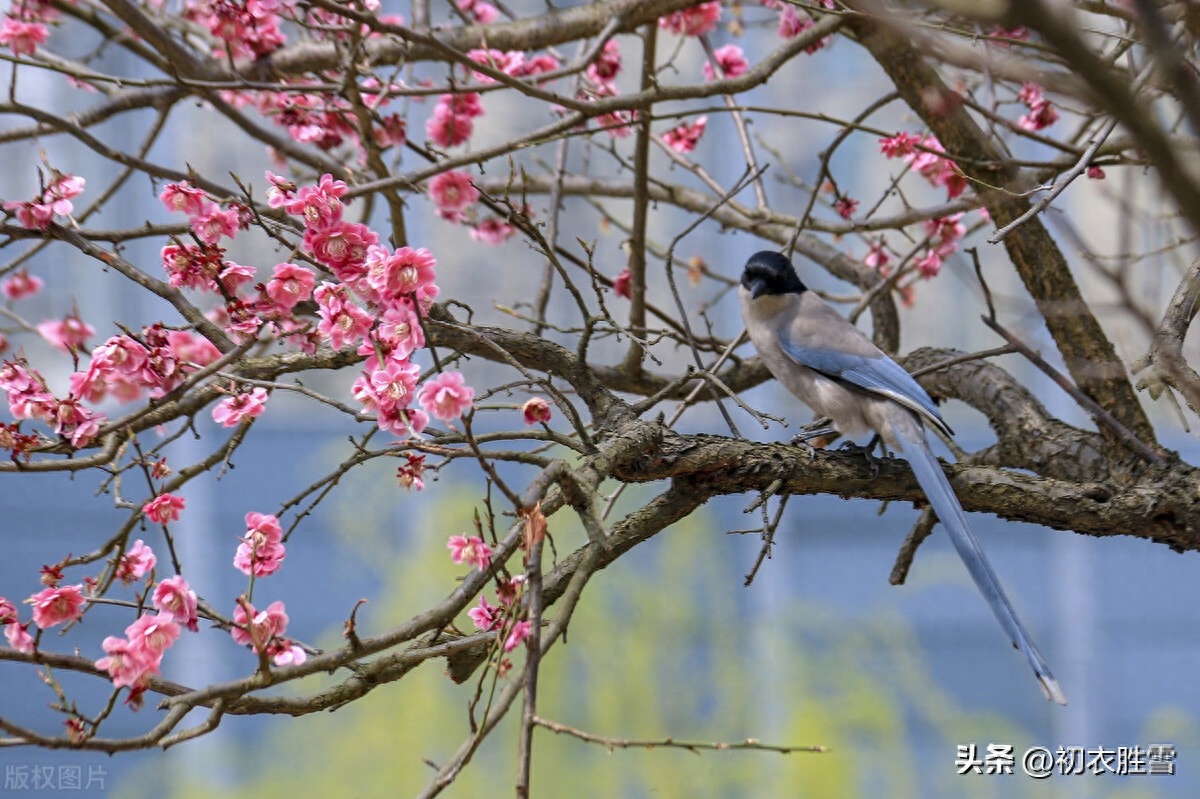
(768, 272)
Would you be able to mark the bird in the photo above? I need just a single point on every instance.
(834, 369)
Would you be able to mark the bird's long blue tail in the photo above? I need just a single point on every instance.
(941, 496)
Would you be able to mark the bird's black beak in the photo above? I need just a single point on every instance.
(757, 287)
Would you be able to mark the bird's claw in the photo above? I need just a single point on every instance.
(867, 451)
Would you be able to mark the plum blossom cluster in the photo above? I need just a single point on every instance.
(263, 631)
(452, 192)
(130, 661)
(260, 554)
(29, 398)
(53, 200)
(21, 284)
(209, 222)
(926, 155)
(249, 29)
(25, 25)
(261, 551)
(1042, 113)
(944, 234)
(792, 23)
(328, 120)
(411, 473)
(254, 28)
(603, 70)
(233, 410)
(155, 362)
(730, 60)
(513, 63)
(201, 265)
(453, 119)
(480, 12)
(164, 508)
(133, 660)
(600, 83)
(486, 616)
(474, 551)
(124, 367)
(684, 138)
(695, 21)
(376, 306)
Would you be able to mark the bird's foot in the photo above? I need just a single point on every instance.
(867, 451)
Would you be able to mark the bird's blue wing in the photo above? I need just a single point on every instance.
(875, 374)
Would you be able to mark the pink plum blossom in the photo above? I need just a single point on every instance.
(520, 631)
(537, 65)
(342, 321)
(54, 199)
(683, 138)
(508, 590)
(18, 637)
(55, 605)
(233, 276)
(285, 652)
(151, 636)
(509, 62)
(388, 388)
(135, 563)
(281, 192)
(486, 616)
(877, 257)
(623, 284)
(481, 12)
(446, 396)
(492, 231)
(256, 628)
(412, 473)
(470, 550)
(232, 410)
(604, 70)
(927, 156)
(184, 198)
(20, 285)
(397, 335)
(693, 21)
(23, 37)
(67, 334)
(452, 121)
(320, 206)
(262, 550)
(173, 597)
(452, 193)
(536, 410)
(341, 246)
(731, 61)
(401, 273)
(72, 420)
(290, 284)
(126, 663)
(212, 223)
(164, 508)
(1042, 113)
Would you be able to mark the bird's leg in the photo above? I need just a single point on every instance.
(817, 434)
(867, 451)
